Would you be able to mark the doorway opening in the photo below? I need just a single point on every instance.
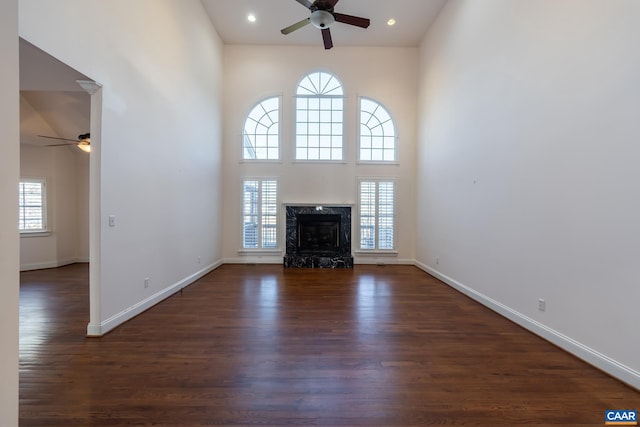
(58, 105)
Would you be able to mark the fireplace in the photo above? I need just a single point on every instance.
(318, 234)
(318, 237)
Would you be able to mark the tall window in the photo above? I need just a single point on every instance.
(260, 214)
(261, 134)
(32, 206)
(319, 115)
(377, 132)
(377, 214)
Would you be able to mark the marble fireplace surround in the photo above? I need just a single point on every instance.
(334, 254)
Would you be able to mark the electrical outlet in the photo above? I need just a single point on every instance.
(146, 282)
(542, 305)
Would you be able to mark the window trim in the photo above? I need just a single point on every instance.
(243, 133)
(45, 230)
(260, 250)
(359, 136)
(298, 96)
(376, 250)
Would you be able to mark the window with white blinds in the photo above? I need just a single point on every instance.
(319, 117)
(32, 206)
(260, 214)
(377, 214)
(261, 133)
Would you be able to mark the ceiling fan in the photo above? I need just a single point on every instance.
(322, 17)
(83, 142)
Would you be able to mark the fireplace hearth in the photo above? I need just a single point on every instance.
(318, 237)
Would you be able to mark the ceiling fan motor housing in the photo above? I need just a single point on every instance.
(322, 19)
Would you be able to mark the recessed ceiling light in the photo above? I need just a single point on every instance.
(251, 17)
(391, 22)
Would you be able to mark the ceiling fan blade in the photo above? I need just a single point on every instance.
(296, 26)
(352, 20)
(329, 3)
(62, 145)
(305, 3)
(326, 37)
(61, 139)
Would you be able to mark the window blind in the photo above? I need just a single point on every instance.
(32, 216)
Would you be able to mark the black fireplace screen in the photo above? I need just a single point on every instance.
(318, 233)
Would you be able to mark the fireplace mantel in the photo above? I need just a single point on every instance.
(318, 236)
(318, 207)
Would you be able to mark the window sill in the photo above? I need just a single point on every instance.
(250, 161)
(377, 163)
(35, 234)
(320, 162)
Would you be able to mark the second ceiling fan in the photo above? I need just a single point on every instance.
(322, 17)
(83, 142)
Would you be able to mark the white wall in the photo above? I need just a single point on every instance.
(159, 62)
(528, 167)
(388, 75)
(9, 239)
(67, 219)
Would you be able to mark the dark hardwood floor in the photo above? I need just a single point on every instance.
(260, 345)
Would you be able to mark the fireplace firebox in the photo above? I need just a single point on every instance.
(318, 234)
(318, 237)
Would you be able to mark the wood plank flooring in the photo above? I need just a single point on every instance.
(261, 345)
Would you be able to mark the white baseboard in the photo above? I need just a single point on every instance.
(589, 355)
(49, 264)
(382, 260)
(255, 259)
(99, 329)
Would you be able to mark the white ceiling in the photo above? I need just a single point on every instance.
(41, 71)
(51, 102)
(413, 18)
(53, 113)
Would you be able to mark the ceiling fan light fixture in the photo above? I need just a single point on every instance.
(84, 146)
(85, 142)
(322, 19)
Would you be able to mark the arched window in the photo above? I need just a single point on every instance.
(261, 134)
(377, 133)
(319, 116)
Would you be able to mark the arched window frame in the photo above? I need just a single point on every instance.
(376, 124)
(261, 130)
(319, 129)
